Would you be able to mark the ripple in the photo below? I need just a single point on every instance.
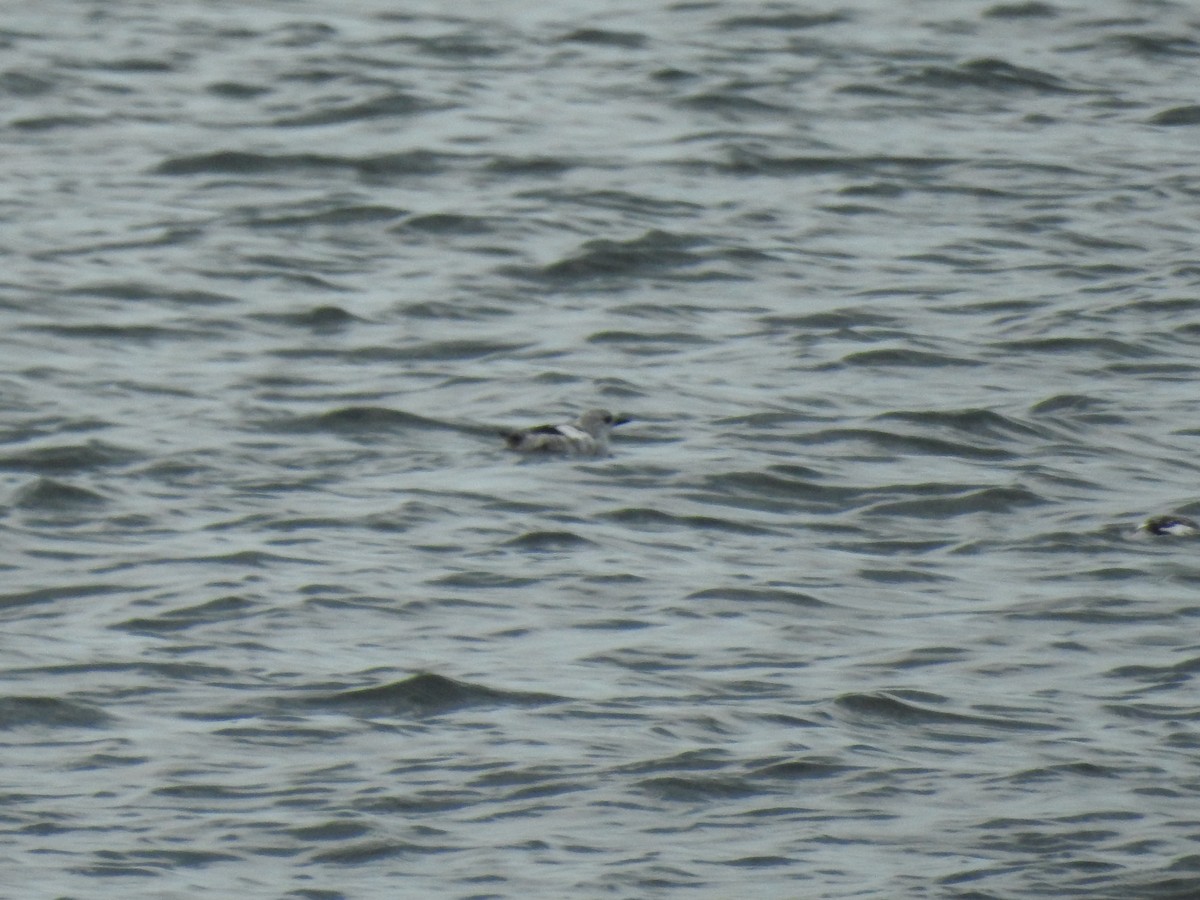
(903, 357)
(884, 707)
(51, 495)
(652, 253)
(49, 712)
(236, 162)
(321, 319)
(786, 21)
(978, 500)
(1177, 115)
(62, 459)
(426, 695)
(547, 541)
(388, 105)
(358, 421)
(625, 40)
(758, 595)
(991, 74)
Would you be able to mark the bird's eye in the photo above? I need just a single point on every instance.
(608, 419)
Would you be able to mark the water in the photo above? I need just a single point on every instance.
(902, 298)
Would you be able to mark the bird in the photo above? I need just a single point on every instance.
(586, 436)
(1175, 526)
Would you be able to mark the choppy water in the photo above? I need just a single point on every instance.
(902, 297)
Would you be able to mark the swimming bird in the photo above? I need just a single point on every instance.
(586, 436)
(1176, 526)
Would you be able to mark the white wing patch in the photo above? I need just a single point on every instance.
(570, 432)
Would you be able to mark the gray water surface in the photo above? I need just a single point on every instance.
(902, 298)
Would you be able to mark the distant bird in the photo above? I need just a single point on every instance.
(1175, 526)
(586, 436)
